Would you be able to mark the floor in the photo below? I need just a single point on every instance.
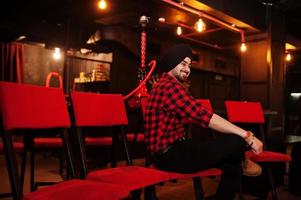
(181, 190)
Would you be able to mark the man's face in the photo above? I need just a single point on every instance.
(182, 70)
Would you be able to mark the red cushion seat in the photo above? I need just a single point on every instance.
(133, 177)
(18, 146)
(80, 190)
(48, 142)
(131, 136)
(204, 173)
(95, 141)
(268, 156)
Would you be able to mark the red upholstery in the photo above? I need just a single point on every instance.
(48, 142)
(106, 141)
(94, 141)
(206, 103)
(204, 173)
(131, 136)
(244, 112)
(28, 106)
(18, 146)
(133, 177)
(268, 156)
(80, 190)
(143, 104)
(92, 109)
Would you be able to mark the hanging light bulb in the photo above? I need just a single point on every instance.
(243, 47)
(161, 19)
(102, 4)
(200, 25)
(56, 54)
(179, 30)
(288, 57)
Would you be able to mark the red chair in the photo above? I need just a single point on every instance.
(199, 194)
(108, 110)
(41, 144)
(252, 113)
(29, 109)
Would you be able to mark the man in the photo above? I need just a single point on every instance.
(169, 104)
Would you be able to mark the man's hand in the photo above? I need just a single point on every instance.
(256, 146)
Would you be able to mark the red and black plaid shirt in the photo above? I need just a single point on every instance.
(168, 106)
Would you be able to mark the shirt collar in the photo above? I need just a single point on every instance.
(169, 77)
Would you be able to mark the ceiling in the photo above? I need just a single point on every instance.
(72, 22)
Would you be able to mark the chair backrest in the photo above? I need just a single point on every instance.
(244, 112)
(143, 105)
(97, 110)
(25, 106)
(206, 103)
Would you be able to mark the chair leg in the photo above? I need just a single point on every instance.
(136, 194)
(23, 166)
(125, 146)
(69, 155)
(5, 195)
(33, 186)
(61, 164)
(12, 166)
(271, 180)
(150, 193)
(198, 189)
(114, 149)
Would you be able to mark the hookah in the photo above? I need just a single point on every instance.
(141, 91)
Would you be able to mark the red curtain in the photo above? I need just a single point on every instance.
(12, 62)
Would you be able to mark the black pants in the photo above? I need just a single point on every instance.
(226, 153)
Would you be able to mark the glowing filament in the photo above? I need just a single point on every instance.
(57, 53)
(200, 25)
(288, 57)
(243, 47)
(179, 30)
(102, 4)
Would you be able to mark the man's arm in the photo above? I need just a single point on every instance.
(222, 125)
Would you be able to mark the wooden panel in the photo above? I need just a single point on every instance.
(255, 92)
(39, 62)
(254, 62)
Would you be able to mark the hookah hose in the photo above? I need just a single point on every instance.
(151, 64)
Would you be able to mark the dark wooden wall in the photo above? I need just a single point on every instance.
(215, 74)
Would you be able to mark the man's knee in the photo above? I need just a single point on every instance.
(237, 142)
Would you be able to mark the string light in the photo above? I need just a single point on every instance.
(102, 4)
(161, 19)
(56, 54)
(288, 57)
(179, 30)
(200, 25)
(243, 47)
